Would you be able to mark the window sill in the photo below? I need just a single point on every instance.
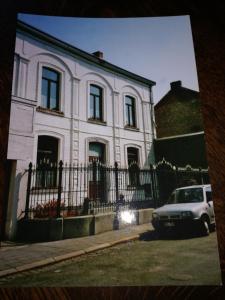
(50, 111)
(94, 121)
(134, 187)
(44, 190)
(132, 128)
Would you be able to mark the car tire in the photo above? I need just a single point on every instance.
(161, 233)
(205, 230)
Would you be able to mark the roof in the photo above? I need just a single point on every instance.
(78, 53)
(176, 92)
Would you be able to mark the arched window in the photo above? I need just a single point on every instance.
(130, 111)
(132, 155)
(96, 103)
(96, 152)
(50, 89)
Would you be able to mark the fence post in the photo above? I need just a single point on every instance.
(201, 177)
(177, 177)
(116, 181)
(153, 185)
(59, 189)
(28, 191)
(95, 187)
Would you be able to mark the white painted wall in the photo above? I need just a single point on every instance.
(72, 129)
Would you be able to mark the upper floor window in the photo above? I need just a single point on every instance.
(130, 111)
(96, 102)
(50, 89)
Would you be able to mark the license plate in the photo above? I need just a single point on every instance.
(169, 224)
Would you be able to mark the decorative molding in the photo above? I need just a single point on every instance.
(98, 122)
(75, 135)
(117, 141)
(50, 111)
(117, 132)
(75, 124)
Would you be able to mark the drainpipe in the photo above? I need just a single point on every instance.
(152, 113)
(152, 116)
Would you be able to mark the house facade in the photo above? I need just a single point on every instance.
(178, 112)
(180, 137)
(72, 106)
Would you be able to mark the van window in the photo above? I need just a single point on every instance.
(189, 195)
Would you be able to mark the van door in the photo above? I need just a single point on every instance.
(208, 195)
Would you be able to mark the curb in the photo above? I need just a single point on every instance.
(59, 258)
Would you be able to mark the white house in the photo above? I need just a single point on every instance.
(72, 106)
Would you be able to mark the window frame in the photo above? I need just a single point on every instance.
(130, 110)
(49, 81)
(102, 150)
(46, 172)
(134, 168)
(101, 103)
(137, 153)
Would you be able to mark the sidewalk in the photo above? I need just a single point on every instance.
(18, 257)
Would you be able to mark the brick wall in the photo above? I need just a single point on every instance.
(178, 113)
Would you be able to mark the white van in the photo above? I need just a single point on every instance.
(187, 206)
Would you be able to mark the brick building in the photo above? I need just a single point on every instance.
(178, 112)
(179, 128)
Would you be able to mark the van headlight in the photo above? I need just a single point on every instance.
(155, 216)
(186, 214)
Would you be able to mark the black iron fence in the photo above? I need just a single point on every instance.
(72, 189)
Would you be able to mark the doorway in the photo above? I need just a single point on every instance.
(97, 180)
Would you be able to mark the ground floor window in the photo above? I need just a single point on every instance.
(47, 160)
(96, 152)
(133, 166)
(132, 155)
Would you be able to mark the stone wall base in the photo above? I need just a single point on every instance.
(42, 230)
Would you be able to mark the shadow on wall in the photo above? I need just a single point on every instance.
(182, 150)
(17, 191)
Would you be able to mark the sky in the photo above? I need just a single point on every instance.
(158, 48)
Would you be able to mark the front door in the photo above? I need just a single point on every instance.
(97, 176)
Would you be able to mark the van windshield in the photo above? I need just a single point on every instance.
(191, 195)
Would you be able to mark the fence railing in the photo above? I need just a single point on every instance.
(79, 189)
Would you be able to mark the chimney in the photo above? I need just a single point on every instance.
(175, 84)
(98, 54)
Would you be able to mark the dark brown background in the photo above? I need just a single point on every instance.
(209, 41)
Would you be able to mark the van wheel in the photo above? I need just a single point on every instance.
(205, 226)
(160, 232)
